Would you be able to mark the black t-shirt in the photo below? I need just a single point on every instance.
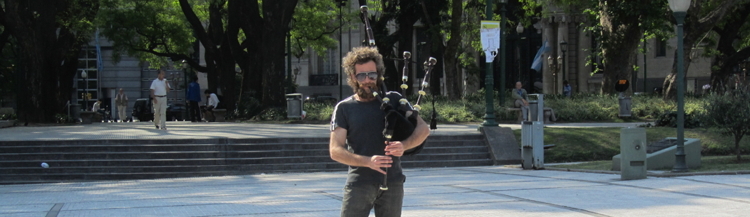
(364, 122)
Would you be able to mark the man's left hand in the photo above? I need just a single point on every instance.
(394, 149)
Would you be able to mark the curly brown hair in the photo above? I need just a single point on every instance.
(362, 55)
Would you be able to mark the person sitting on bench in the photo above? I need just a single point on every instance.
(522, 100)
(208, 111)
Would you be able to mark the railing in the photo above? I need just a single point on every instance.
(324, 80)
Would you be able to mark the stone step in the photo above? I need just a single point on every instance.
(147, 159)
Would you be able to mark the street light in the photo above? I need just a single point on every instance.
(519, 31)
(502, 52)
(563, 48)
(342, 3)
(489, 83)
(679, 9)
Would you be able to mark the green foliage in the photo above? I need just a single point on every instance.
(63, 119)
(318, 111)
(586, 144)
(247, 108)
(313, 26)
(11, 116)
(142, 28)
(271, 114)
(731, 113)
(669, 119)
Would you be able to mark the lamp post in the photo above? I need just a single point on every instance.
(85, 76)
(489, 90)
(563, 48)
(519, 31)
(289, 59)
(341, 54)
(679, 9)
(502, 52)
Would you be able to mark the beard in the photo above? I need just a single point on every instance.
(363, 91)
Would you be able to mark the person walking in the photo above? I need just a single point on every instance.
(193, 98)
(121, 100)
(159, 89)
(356, 140)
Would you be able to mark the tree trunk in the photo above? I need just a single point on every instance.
(619, 47)
(276, 18)
(695, 27)
(670, 87)
(453, 81)
(737, 138)
(722, 65)
(46, 81)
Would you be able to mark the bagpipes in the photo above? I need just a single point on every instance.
(400, 116)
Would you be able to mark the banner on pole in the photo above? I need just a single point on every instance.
(490, 33)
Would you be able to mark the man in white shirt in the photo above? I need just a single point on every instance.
(159, 89)
(213, 101)
(121, 100)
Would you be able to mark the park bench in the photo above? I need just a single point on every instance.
(547, 114)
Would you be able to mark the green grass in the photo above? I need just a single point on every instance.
(596, 144)
(708, 164)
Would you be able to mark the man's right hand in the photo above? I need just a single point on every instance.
(378, 161)
(155, 100)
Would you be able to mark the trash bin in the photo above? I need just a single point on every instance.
(633, 153)
(625, 105)
(294, 105)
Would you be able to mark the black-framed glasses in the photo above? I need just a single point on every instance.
(362, 76)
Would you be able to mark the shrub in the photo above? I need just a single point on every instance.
(731, 113)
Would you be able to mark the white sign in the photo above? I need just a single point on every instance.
(490, 32)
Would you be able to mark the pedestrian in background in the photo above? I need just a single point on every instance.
(193, 98)
(159, 89)
(121, 100)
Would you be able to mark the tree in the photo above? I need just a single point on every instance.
(234, 33)
(731, 112)
(49, 37)
(732, 48)
(617, 26)
(702, 16)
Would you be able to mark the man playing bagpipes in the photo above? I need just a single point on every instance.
(357, 140)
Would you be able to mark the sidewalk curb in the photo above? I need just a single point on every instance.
(652, 174)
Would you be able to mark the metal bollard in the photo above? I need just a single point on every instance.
(532, 145)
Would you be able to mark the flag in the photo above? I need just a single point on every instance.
(99, 64)
(537, 64)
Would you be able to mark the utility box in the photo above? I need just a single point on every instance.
(294, 105)
(633, 153)
(536, 107)
(532, 145)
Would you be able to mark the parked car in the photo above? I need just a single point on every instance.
(143, 110)
(175, 112)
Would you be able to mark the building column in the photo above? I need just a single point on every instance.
(562, 35)
(548, 36)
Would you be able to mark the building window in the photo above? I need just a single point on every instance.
(89, 86)
(661, 48)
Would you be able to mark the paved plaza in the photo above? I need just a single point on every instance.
(453, 191)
